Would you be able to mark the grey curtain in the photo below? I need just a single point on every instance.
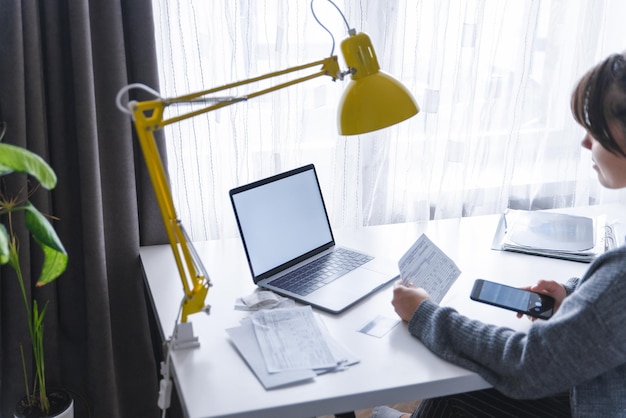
(61, 64)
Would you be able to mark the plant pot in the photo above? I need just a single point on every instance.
(61, 406)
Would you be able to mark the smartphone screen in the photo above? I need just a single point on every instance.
(513, 298)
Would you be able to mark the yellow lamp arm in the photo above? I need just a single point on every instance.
(195, 285)
(330, 67)
(147, 118)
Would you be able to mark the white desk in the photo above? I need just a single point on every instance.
(214, 381)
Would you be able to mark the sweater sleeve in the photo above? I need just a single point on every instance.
(581, 341)
(570, 285)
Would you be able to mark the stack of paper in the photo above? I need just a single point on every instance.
(551, 234)
(286, 346)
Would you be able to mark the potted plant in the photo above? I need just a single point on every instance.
(38, 401)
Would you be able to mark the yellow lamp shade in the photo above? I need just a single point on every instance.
(373, 99)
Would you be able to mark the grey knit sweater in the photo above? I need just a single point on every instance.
(582, 348)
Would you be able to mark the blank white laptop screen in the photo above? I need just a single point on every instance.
(282, 220)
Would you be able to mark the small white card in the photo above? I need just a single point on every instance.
(379, 326)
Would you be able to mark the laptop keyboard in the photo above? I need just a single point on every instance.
(320, 272)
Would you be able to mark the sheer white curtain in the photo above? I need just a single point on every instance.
(493, 79)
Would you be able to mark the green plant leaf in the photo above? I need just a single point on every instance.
(21, 160)
(55, 263)
(4, 245)
(41, 228)
(55, 256)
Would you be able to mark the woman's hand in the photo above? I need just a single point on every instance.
(406, 300)
(550, 288)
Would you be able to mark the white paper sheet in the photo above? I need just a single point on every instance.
(290, 339)
(245, 341)
(425, 265)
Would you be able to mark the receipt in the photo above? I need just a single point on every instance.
(425, 265)
(262, 299)
(291, 339)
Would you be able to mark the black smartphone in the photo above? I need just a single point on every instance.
(513, 298)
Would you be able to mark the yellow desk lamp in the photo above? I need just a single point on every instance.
(371, 101)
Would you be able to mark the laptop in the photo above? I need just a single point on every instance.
(290, 247)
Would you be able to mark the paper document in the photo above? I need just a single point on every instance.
(290, 339)
(294, 334)
(244, 339)
(343, 356)
(425, 265)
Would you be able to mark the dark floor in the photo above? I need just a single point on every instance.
(365, 413)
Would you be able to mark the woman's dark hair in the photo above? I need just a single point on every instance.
(588, 100)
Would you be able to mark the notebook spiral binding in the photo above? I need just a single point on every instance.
(609, 238)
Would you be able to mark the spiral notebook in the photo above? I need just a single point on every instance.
(551, 234)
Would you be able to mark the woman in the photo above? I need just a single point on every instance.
(574, 364)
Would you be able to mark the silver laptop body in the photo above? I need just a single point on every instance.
(286, 233)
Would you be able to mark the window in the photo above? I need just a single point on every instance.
(492, 78)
